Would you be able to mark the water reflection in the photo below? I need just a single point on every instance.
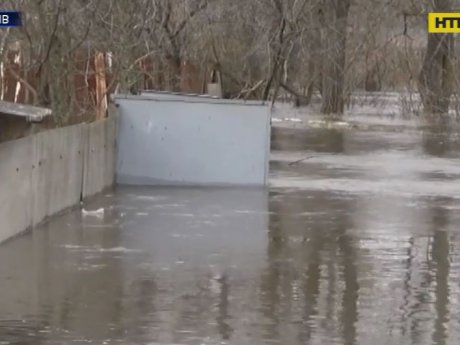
(312, 258)
(54, 292)
(441, 266)
(320, 140)
(441, 138)
(436, 141)
(394, 246)
(223, 317)
(324, 254)
(376, 261)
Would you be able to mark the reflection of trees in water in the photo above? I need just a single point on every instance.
(421, 298)
(319, 140)
(312, 254)
(207, 293)
(351, 293)
(75, 293)
(142, 294)
(101, 290)
(223, 313)
(436, 140)
(407, 281)
(434, 278)
(271, 297)
(17, 332)
(334, 141)
(441, 266)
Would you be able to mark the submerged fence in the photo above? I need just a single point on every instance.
(45, 173)
(176, 139)
(163, 139)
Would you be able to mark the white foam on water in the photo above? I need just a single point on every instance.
(97, 249)
(119, 250)
(293, 119)
(168, 205)
(72, 246)
(179, 215)
(93, 213)
(91, 267)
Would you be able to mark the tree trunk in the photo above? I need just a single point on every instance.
(435, 81)
(315, 79)
(174, 78)
(334, 40)
(278, 60)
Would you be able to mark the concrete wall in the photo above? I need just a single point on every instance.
(56, 171)
(191, 140)
(45, 173)
(16, 159)
(99, 167)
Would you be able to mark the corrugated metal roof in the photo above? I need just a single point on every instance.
(28, 112)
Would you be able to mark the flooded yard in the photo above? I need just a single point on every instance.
(356, 241)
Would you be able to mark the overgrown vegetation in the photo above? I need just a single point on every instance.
(263, 48)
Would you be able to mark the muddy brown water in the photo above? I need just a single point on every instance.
(356, 244)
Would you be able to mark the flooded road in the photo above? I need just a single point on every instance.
(355, 242)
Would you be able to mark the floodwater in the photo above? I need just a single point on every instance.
(355, 243)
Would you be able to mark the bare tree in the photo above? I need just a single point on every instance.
(435, 81)
(264, 49)
(173, 18)
(334, 14)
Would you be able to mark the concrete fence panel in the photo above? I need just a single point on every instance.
(58, 174)
(188, 140)
(16, 198)
(99, 168)
(48, 172)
